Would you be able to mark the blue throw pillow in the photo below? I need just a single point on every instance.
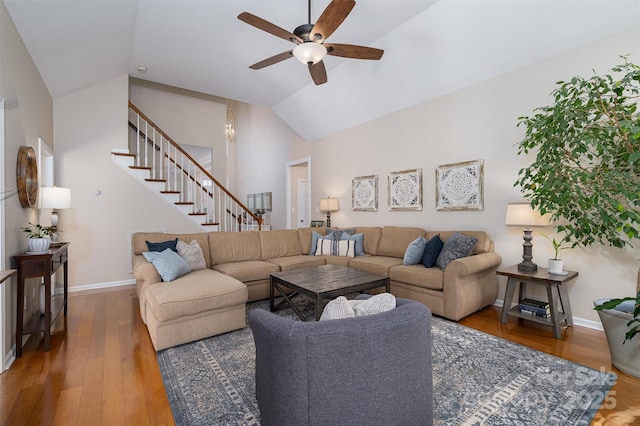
(431, 251)
(358, 238)
(455, 247)
(314, 241)
(171, 244)
(413, 254)
(169, 264)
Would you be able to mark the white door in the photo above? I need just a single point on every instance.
(303, 203)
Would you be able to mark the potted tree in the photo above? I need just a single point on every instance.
(39, 237)
(586, 174)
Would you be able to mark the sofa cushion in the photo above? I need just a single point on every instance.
(249, 270)
(168, 263)
(227, 247)
(418, 275)
(197, 292)
(139, 239)
(378, 265)
(297, 262)
(280, 243)
(484, 244)
(455, 247)
(432, 250)
(413, 253)
(192, 253)
(162, 246)
(371, 238)
(395, 240)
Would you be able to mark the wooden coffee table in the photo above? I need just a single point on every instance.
(320, 283)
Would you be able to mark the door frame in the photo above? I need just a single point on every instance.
(288, 167)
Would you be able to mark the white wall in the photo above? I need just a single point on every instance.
(264, 145)
(28, 115)
(88, 125)
(478, 122)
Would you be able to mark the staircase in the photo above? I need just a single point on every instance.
(159, 163)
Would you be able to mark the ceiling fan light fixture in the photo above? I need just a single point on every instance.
(309, 52)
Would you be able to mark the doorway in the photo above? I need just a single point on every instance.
(297, 170)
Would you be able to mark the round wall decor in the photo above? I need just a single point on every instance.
(27, 177)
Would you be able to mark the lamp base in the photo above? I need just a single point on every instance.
(328, 220)
(527, 266)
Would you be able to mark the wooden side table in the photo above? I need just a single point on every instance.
(36, 266)
(543, 278)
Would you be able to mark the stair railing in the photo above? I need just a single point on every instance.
(184, 176)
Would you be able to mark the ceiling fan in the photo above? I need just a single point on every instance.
(310, 40)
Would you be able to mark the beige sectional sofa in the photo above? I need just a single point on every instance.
(211, 301)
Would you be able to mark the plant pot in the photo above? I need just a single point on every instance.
(555, 266)
(39, 245)
(624, 356)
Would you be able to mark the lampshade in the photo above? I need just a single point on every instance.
(329, 205)
(522, 214)
(309, 52)
(55, 198)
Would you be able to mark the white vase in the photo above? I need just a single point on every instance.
(39, 245)
(555, 266)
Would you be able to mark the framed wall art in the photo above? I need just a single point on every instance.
(459, 186)
(405, 190)
(364, 193)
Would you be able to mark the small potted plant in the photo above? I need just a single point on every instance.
(556, 265)
(39, 237)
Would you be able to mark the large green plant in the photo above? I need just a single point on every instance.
(587, 167)
(586, 173)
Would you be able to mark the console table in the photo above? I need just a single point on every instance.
(543, 278)
(41, 266)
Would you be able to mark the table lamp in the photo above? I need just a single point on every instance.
(57, 199)
(329, 205)
(522, 214)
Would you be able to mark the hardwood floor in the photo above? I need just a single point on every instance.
(102, 368)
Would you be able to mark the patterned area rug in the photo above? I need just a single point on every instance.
(478, 379)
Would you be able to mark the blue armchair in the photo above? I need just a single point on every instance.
(372, 370)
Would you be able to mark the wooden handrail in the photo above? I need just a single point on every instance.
(206, 173)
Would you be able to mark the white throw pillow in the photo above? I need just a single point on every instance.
(192, 253)
(336, 309)
(331, 247)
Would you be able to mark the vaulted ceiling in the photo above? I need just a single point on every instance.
(432, 47)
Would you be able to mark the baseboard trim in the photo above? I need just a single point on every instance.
(582, 322)
(99, 286)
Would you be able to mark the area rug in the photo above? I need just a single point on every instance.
(478, 379)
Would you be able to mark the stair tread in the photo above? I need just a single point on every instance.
(156, 180)
(124, 154)
(210, 223)
(197, 214)
(184, 203)
(170, 192)
(140, 168)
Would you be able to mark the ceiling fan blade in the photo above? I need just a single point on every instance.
(272, 60)
(353, 51)
(331, 18)
(267, 26)
(318, 73)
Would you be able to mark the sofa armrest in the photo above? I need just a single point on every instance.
(472, 264)
(470, 284)
(144, 271)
